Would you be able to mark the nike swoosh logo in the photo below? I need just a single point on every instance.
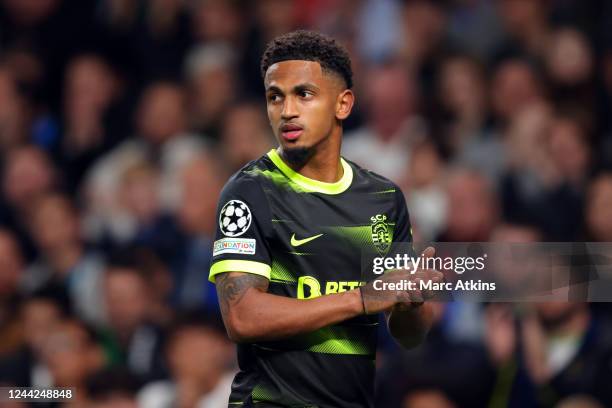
(298, 242)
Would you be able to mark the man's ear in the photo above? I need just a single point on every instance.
(344, 104)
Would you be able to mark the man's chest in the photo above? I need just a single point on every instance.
(322, 245)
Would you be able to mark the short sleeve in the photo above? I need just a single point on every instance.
(403, 230)
(243, 227)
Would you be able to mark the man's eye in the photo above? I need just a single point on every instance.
(305, 94)
(274, 98)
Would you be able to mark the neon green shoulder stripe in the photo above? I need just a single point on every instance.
(311, 185)
(231, 265)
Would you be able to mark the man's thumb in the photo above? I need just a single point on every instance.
(429, 252)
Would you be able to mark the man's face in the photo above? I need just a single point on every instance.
(303, 103)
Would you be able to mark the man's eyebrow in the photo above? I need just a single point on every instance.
(297, 88)
(306, 85)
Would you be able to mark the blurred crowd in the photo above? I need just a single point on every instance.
(120, 121)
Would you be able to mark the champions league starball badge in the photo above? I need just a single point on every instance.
(235, 218)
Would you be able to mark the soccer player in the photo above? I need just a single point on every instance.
(293, 226)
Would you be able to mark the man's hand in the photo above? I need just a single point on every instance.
(409, 321)
(383, 296)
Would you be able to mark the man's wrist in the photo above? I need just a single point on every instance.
(364, 309)
(357, 302)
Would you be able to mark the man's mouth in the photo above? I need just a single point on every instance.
(291, 131)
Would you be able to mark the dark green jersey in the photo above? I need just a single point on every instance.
(308, 238)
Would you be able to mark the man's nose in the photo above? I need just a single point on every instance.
(289, 109)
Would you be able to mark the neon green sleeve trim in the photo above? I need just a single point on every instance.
(230, 265)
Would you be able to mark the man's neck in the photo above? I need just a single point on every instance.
(323, 164)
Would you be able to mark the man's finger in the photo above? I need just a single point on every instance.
(417, 296)
(403, 297)
(429, 252)
(437, 276)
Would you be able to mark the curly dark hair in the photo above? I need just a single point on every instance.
(309, 46)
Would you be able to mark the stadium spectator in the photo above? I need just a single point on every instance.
(473, 208)
(567, 351)
(27, 174)
(39, 315)
(132, 338)
(425, 37)
(64, 259)
(199, 356)
(149, 224)
(90, 123)
(435, 367)
(161, 284)
(500, 335)
(570, 66)
(138, 195)
(392, 124)
(515, 85)
(541, 184)
(71, 354)
(201, 185)
(570, 150)
(425, 196)
(161, 139)
(112, 387)
(461, 126)
(461, 91)
(210, 71)
(244, 135)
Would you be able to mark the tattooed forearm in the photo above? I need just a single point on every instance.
(231, 287)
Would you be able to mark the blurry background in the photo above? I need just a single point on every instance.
(120, 121)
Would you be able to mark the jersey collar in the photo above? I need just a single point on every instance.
(311, 185)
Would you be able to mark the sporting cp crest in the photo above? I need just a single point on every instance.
(381, 237)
